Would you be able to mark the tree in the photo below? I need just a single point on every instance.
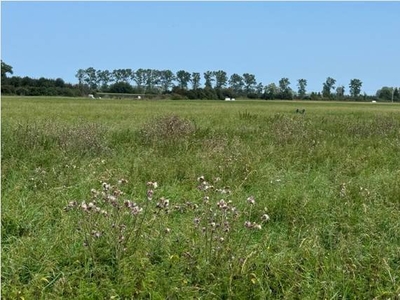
(259, 90)
(271, 91)
(140, 78)
(220, 79)
(385, 93)
(302, 84)
(249, 82)
(208, 79)
(236, 83)
(166, 79)
(80, 75)
(328, 85)
(183, 79)
(90, 78)
(340, 91)
(195, 80)
(152, 79)
(104, 78)
(5, 69)
(124, 75)
(355, 87)
(285, 90)
(396, 95)
(121, 87)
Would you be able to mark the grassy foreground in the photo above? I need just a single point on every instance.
(106, 199)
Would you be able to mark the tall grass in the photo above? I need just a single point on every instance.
(199, 199)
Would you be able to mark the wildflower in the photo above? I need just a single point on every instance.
(84, 206)
(70, 205)
(122, 181)
(196, 221)
(150, 194)
(204, 186)
(265, 217)
(251, 200)
(105, 186)
(152, 184)
(248, 224)
(135, 210)
(343, 190)
(201, 178)
(221, 239)
(167, 230)
(163, 203)
(256, 226)
(222, 204)
(224, 190)
(96, 234)
(226, 226)
(117, 193)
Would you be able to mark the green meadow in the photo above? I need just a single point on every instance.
(124, 199)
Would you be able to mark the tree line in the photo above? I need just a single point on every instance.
(185, 85)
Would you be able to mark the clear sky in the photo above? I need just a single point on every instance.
(311, 40)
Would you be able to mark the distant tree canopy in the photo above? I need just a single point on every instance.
(5, 69)
(182, 85)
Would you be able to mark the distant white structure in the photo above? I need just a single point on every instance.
(91, 96)
(373, 101)
(139, 97)
(227, 99)
(233, 99)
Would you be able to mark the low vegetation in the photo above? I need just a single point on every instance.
(119, 199)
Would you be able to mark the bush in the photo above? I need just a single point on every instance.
(7, 90)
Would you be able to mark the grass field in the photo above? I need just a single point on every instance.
(121, 199)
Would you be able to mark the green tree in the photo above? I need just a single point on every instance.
(208, 77)
(221, 79)
(385, 93)
(152, 80)
(183, 79)
(271, 91)
(285, 90)
(396, 95)
(327, 87)
(195, 80)
(80, 75)
(5, 69)
(249, 82)
(121, 87)
(91, 78)
(104, 78)
(140, 78)
(259, 90)
(340, 91)
(355, 87)
(166, 79)
(236, 83)
(302, 84)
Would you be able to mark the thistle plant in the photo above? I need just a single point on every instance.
(109, 221)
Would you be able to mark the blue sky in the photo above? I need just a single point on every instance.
(311, 40)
